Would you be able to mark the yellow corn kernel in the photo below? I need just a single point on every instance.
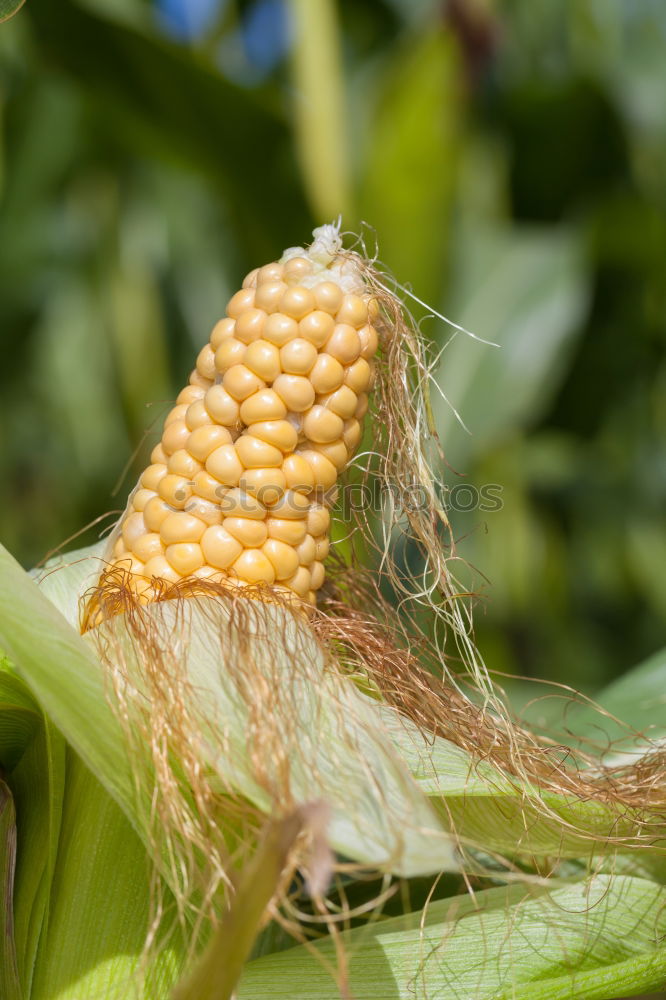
(220, 549)
(175, 436)
(222, 407)
(298, 474)
(237, 503)
(183, 462)
(343, 402)
(306, 551)
(230, 352)
(141, 497)
(316, 327)
(175, 490)
(263, 359)
(328, 296)
(322, 425)
(265, 404)
(223, 329)
(155, 512)
(280, 433)
(158, 456)
(344, 344)
(205, 440)
(181, 527)
(358, 376)
(327, 374)
(225, 465)
(250, 325)
(242, 479)
(268, 485)
(190, 394)
(280, 329)
(292, 532)
(283, 557)
(197, 415)
(257, 454)
(148, 545)
(159, 567)
(298, 356)
(238, 303)
(185, 557)
(249, 532)
(297, 302)
(240, 382)
(254, 567)
(295, 391)
(269, 295)
(206, 362)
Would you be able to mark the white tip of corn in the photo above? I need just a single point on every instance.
(324, 253)
(327, 243)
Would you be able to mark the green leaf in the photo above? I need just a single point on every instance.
(319, 106)
(411, 161)
(502, 813)
(101, 905)
(83, 879)
(32, 757)
(635, 700)
(578, 940)
(66, 577)
(65, 677)
(10, 988)
(38, 782)
(527, 291)
(8, 8)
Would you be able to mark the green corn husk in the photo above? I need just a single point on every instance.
(109, 903)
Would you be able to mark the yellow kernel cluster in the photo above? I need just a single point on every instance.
(240, 482)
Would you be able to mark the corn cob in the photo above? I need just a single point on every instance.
(240, 485)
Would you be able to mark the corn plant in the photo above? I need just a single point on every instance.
(231, 768)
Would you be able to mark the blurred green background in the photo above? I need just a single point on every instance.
(509, 155)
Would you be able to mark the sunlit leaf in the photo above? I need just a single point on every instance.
(525, 290)
(66, 577)
(503, 813)
(588, 939)
(319, 105)
(635, 703)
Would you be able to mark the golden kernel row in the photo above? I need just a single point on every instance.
(270, 417)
